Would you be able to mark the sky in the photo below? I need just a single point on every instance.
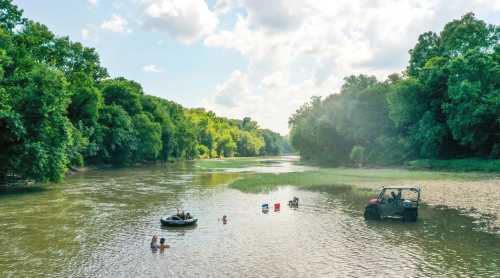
(256, 58)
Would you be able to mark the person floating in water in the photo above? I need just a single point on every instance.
(224, 219)
(154, 244)
(163, 245)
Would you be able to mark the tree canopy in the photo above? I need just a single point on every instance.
(59, 108)
(445, 105)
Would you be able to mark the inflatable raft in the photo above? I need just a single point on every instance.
(176, 221)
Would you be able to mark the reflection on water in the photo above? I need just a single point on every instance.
(99, 224)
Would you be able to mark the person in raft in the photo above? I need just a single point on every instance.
(163, 245)
(154, 244)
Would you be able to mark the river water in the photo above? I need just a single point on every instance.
(99, 224)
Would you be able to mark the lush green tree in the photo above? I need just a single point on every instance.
(58, 109)
(446, 104)
(273, 144)
(123, 92)
(326, 130)
(248, 125)
(461, 35)
(10, 15)
(11, 133)
(473, 105)
(118, 140)
(42, 153)
(358, 155)
(447, 107)
(426, 48)
(226, 146)
(249, 145)
(149, 137)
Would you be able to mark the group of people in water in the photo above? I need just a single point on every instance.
(185, 216)
(155, 247)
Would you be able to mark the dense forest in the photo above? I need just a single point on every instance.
(445, 105)
(59, 108)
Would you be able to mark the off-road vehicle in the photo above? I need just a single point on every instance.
(400, 202)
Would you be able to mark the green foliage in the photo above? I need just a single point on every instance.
(123, 93)
(59, 108)
(274, 143)
(226, 146)
(149, 137)
(358, 155)
(446, 105)
(225, 138)
(249, 145)
(10, 15)
(327, 177)
(118, 142)
(325, 131)
(459, 165)
(42, 153)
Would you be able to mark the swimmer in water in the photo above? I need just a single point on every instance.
(163, 245)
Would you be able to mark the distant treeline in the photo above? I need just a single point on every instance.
(59, 108)
(445, 105)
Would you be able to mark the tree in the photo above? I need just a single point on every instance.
(59, 109)
(426, 48)
(149, 136)
(358, 155)
(249, 144)
(10, 15)
(42, 153)
(226, 147)
(118, 141)
(122, 92)
(473, 104)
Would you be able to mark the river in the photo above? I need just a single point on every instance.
(99, 224)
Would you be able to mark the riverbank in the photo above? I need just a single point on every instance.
(476, 194)
(457, 165)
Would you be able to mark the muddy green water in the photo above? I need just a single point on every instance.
(99, 224)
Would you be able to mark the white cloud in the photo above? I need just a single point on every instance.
(184, 20)
(89, 34)
(93, 2)
(277, 14)
(152, 68)
(116, 24)
(225, 6)
(85, 33)
(233, 91)
(296, 49)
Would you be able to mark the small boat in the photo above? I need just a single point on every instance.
(176, 221)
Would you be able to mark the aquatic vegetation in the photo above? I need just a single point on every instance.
(342, 176)
(457, 164)
(239, 162)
